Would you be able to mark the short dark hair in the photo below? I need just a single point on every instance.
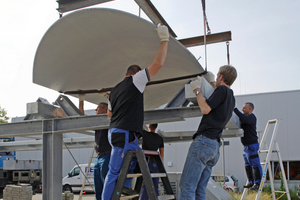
(229, 74)
(103, 105)
(250, 104)
(133, 69)
(153, 126)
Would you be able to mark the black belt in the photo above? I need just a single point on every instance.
(102, 153)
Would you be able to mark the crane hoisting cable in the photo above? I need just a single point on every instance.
(204, 23)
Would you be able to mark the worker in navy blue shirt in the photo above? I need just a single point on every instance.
(251, 146)
(102, 149)
(126, 109)
(204, 152)
(152, 142)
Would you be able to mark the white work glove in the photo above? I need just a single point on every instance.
(81, 97)
(210, 77)
(104, 94)
(196, 83)
(162, 32)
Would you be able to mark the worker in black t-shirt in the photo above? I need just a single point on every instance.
(126, 109)
(204, 152)
(102, 149)
(153, 142)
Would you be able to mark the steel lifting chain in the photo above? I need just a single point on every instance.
(206, 20)
(204, 28)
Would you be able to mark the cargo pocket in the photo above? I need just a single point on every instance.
(118, 140)
(131, 136)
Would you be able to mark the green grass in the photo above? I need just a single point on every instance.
(266, 194)
(250, 196)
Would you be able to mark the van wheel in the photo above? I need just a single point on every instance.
(67, 188)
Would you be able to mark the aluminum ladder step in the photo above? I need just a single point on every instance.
(130, 196)
(267, 151)
(153, 175)
(166, 197)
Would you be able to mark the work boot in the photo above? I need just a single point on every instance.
(248, 185)
(128, 191)
(255, 187)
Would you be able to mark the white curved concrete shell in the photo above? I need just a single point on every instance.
(92, 48)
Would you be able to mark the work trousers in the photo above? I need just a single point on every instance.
(100, 171)
(202, 156)
(153, 169)
(251, 159)
(121, 142)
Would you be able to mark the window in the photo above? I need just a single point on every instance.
(75, 171)
(277, 169)
(220, 178)
(233, 178)
(294, 170)
(291, 168)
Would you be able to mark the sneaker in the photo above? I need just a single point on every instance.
(128, 191)
(255, 187)
(248, 185)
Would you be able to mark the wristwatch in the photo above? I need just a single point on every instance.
(197, 92)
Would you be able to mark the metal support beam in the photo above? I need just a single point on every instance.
(39, 110)
(170, 114)
(34, 145)
(179, 99)
(94, 122)
(153, 14)
(91, 122)
(52, 162)
(42, 109)
(69, 5)
(63, 125)
(210, 39)
(67, 106)
(88, 142)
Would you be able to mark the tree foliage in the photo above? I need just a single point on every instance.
(3, 117)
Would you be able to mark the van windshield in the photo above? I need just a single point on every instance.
(75, 171)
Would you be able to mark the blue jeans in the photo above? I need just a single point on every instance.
(251, 159)
(100, 171)
(202, 156)
(116, 161)
(153, 169)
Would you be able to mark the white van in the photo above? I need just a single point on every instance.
(231, 183)
(73, 181)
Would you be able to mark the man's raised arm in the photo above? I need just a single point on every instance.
(161, 55)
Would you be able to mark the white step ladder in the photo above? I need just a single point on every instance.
(86, 177)
(268, 149)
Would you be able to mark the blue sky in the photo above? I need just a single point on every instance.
(264, 47)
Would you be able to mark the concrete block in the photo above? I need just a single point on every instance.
(20, 192)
